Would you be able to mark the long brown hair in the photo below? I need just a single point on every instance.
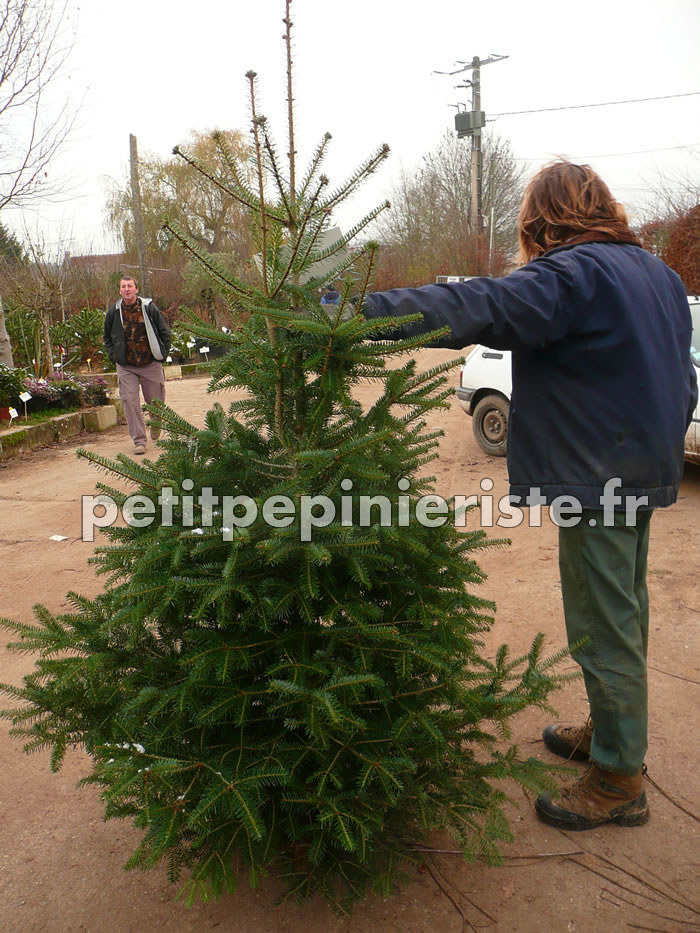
(567, 203)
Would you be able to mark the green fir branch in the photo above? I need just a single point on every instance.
(314, 165)
(239, 193)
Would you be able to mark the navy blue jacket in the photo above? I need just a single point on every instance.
(332, 297)
(603, 384)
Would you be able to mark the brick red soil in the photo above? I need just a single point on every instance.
(62, 865)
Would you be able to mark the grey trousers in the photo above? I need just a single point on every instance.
(151, 379)
(604, 587)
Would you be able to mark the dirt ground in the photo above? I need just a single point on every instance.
(62, 865)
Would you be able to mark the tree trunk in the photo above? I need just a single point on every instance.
(48, 349)
(5, 346)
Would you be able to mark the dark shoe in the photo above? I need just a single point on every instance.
(139, 449)
(596, 798)
(569, 741)
(155, 433)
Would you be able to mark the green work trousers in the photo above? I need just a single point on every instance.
(603, 580)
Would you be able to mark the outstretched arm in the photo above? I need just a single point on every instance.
(527, 309)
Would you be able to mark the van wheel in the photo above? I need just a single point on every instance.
(490, 425)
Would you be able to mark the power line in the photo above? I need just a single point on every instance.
(609, 103)
(610, 155)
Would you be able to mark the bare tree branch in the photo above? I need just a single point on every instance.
(35, 41)
(428, 225)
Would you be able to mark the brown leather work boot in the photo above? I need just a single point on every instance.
(597, 797)
(569, 741)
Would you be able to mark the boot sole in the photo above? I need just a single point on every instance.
(577, 823)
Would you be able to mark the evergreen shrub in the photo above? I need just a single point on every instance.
(11, 385)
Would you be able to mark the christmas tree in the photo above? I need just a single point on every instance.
(284, 671)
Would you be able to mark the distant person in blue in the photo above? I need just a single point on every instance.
(330, 296)
(603, 393)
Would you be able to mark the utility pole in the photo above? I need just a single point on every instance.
(138, 215)
(491, 219)
(470, 123)
(475, 220)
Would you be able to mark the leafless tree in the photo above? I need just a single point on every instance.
(35, 41)
(673, 193)
(429, 220)
(41, 287)
(670, 226)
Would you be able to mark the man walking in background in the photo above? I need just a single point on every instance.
(137, 339)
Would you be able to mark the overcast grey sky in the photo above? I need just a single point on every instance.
(363, 72)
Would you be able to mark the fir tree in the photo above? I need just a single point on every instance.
(263, 696)
(11, 248)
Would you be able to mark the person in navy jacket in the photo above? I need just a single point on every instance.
(603, 392)
(331, 296)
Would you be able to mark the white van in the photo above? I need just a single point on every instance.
(485, 387)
